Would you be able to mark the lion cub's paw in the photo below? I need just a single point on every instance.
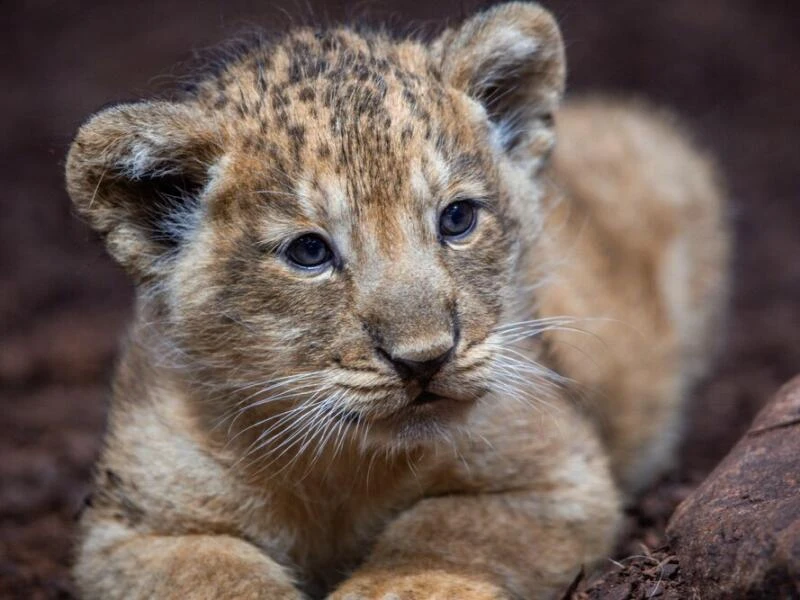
(417, 585)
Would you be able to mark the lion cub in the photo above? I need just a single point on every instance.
(388, 344)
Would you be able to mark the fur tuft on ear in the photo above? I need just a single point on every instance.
(511, 60)
(136, 172)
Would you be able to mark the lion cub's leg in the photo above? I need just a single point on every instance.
(481, 547)
(522, 521)
(114, 563)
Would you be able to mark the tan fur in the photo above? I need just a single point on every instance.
(263, 440)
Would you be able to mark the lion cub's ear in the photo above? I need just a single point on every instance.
(137, 173)
(511, 60)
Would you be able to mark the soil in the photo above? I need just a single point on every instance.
(729, 67)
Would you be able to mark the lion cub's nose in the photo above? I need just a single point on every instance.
(419, 365)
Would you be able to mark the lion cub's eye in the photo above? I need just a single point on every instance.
(457, 219)
(309, 251)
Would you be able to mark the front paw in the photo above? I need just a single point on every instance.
(417, 585)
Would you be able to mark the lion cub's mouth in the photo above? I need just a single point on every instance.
(414, 416)
(427, 398)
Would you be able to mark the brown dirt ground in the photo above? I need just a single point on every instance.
(729, 67)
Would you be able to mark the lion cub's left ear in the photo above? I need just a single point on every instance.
(511, 60)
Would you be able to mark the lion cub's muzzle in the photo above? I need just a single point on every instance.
(417, 374)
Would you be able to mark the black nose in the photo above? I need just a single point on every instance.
(421, 370)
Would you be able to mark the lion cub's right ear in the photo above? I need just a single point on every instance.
(136, 172)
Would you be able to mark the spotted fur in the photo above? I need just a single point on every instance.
(422, 416)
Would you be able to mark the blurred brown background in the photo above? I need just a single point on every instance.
(730, 68)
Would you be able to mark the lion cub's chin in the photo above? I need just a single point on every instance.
(430, 417)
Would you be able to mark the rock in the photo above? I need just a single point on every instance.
(669, 570)
(738, 534)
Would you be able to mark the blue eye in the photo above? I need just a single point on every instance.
(309, 251)
(457, 219)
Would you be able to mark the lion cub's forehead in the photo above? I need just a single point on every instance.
(343, 117)
(348, 74)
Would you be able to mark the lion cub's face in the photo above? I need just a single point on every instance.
(330, 225)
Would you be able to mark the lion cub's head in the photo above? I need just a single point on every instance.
(327, 227)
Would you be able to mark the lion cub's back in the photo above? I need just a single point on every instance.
(637, 250)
